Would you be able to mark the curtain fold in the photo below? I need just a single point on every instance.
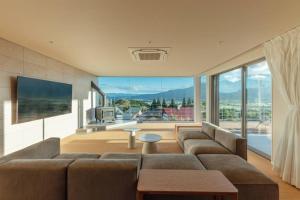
(283, 57)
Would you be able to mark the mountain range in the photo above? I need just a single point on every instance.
(232, 94)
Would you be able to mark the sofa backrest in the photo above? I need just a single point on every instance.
(46, 149)
(209, 129)
(235, 143)
(104, 179)
(34, 179)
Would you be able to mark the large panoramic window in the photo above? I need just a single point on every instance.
(244, 104)
(203, 97)
(259, 107)
(150, 98)
(230, 100)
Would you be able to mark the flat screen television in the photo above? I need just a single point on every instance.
(37, 99)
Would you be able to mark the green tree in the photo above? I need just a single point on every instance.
(164, 104)
(158, 104)
(154, 104)
(172, 104)
(123, 104)
(183, 102)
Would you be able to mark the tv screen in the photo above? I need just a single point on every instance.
(37, 99)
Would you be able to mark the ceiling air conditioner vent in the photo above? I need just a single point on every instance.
(149, 54)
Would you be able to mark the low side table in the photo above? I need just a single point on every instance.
(149, 140)
(131, 137)
(185, 182)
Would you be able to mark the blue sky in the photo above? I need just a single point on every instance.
(152, 85)
(143, 85)
(258, 74)
(255, 71)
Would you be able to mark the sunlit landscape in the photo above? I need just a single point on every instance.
(171, 99)
(163, 99)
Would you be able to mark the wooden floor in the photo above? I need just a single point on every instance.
(116, 141)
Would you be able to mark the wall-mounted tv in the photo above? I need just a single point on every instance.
(37, 99)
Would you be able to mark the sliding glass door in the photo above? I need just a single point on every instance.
(203, 97)
(259, 108)
(230, 100)
(243, 104)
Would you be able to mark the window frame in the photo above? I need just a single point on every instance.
(214, 107)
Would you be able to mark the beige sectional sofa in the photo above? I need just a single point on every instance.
(211, 139)
(40, 172)
(219, 149)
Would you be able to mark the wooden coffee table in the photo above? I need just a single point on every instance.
(185, 182)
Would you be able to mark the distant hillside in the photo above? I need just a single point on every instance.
(178, 94)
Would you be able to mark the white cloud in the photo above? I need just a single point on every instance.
(135, 89)
(232, 76)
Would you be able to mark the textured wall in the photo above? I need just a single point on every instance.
(16, 61)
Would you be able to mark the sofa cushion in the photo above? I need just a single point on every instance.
(136, 156)
(34, 179)
(104, 179)
(251, 183)
(199, 146)
(121, 156)
(170, 161)
(46, 149)
(192, 134)
(209, 129)
(226, 138)
(78, 156)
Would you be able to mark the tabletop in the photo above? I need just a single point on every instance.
(149, 137)
(184, 182)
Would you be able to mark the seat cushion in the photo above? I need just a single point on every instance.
(46, 149)
(171, 161)
(77, 156)
(198, 146)
(38, 179)
(251, 183)
(121, 156)
(104, 179)
(191, 134)
(136, 156)
(226, 138)
(209, 129)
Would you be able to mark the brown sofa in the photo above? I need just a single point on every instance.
(41, 150)
(49, 175)
(250, 182)
(211, 139)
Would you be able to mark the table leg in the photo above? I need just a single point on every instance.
(139, 196)
(234, 197)
(149, 148)
(131, 140)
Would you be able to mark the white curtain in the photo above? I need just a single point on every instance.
(283, 56)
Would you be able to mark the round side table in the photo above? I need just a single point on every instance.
(149, 141)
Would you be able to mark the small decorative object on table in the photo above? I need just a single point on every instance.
(131, 138)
